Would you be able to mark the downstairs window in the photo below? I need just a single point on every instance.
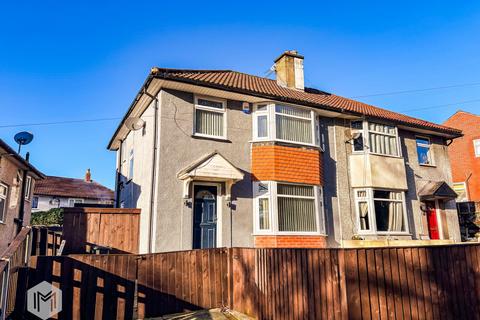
(288, 208)
(380, 211)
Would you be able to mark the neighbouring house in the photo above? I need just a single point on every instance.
(62, 192)
(218, 158)
(17, 180)
(465, 156)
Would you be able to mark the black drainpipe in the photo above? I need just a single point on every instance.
(119, 175)
(21, 211)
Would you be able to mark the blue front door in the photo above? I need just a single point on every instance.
(204, 217)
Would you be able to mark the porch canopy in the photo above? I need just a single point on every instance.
(212, 167)
(437, 190)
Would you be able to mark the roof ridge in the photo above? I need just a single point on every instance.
(174, 70)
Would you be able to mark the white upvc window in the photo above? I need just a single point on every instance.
(3, 201)
(286, 208)
(210, 118)
(280, 122)
(71, 202)
(28, 188)
(476, 147)
(375, 138)
(131, 164)
(424, 151)
(460, 189)
(380, 211)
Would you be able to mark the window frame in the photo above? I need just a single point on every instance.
(366, 138)
(5, 201)
(273, 209)
(35, 202)
(465, 187)
(475, 142)
(75, 200)
(431, 157)
(28, 188)
(131, 165)
(271, 114)
(371, 212)
(223, 111)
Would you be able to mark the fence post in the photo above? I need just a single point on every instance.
(5, 284)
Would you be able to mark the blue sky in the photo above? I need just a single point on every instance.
(73, 61)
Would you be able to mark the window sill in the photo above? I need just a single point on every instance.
(219, 139)
(427, 165)
(376, 154)
(287, 143)
(384, 234)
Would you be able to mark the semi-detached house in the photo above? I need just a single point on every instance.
(218, 158)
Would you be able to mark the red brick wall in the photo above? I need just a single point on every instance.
(289, 164)
(290, 242)
(462, 154)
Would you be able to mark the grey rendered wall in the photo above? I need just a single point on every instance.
(136, 192)
(418, 176)
(339, 197)
(178, 149)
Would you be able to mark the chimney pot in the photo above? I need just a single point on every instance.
(289, 70)
(88, 176)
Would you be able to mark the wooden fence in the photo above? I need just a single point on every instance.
(46, 240)
(13, 275)
(86, 228)
(376, 283)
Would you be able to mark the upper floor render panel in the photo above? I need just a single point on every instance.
(287, 88)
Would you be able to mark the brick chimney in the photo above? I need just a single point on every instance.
(88, 176)
(289, 70)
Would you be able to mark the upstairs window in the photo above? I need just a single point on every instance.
(131, 163)
(210, 118)
(424, 152)
(382, 139)
(374, 138)
(293, 124)
(286, 123)
(476, 147)
(28, 188)
(3, 201)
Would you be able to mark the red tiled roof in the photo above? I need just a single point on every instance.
(268, 88)
(74, 188)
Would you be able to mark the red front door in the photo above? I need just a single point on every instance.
(432, 221)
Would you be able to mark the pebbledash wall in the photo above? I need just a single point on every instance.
(172, 216)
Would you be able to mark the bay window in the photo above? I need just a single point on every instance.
(380, 211)
(285, 123)
(209, 118)
(288, 208)
(374, 138)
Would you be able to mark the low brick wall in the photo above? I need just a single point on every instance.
(290, 242)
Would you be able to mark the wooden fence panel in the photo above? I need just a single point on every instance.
(85, 228)
(176, 281)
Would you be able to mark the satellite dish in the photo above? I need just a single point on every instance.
(23, 138)
(134, 123)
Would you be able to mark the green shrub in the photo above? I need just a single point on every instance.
(48, 218)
